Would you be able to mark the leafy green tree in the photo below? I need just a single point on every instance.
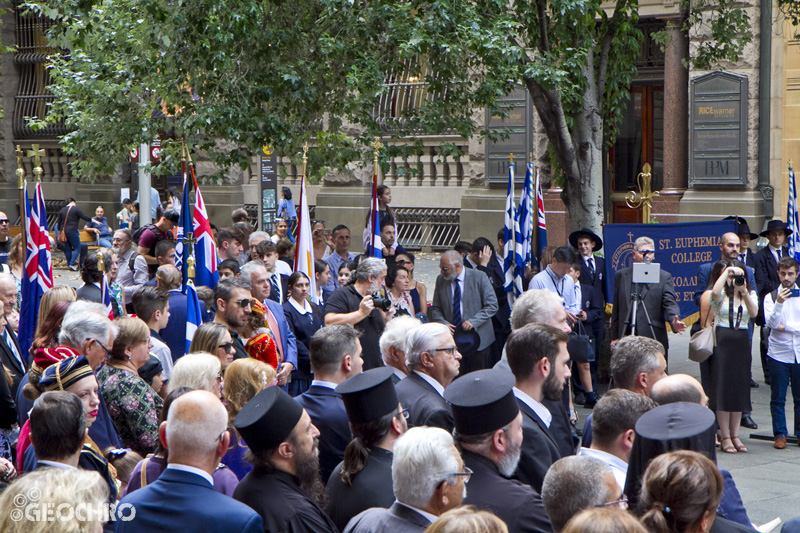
(232, 75)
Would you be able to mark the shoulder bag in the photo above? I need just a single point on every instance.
(702, 343)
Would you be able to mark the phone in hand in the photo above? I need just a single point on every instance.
(793, 293)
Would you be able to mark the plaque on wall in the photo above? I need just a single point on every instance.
(269, 189)
(718, 130)
(518, 127)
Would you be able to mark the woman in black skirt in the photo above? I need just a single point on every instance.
(734, 303)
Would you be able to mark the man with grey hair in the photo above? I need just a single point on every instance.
(183, 497)
(392, 345)
(10, 352)
(613, 421)
(658, 301)
(428, 478)
(465, 301)
(433, 360)
(637, 363)
(576, 483)
(132, 270)
(85, 330)
(256, 238)
(354, 305)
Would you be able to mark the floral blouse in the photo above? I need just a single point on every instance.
(134, 407)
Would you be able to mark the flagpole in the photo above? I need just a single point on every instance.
(20, 172)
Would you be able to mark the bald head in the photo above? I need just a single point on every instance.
(678, 388)
(193, 427)
(729, 246)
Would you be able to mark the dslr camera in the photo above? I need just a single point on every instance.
(380, 302)
(738, 280)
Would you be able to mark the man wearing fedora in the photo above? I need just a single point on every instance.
(767, 277)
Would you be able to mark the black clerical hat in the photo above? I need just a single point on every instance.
(744, 228)
(369, 396)
(482, 401)
(585, 232)
(670, 427)
(268, 419)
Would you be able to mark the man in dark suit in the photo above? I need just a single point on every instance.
(746, 255)
(10, 353)
(58, 425)
(416, 454)
(433, 361)
(488, 430)
(335, 356)
(767, 280)
(255, 275)
(657, 298)
(183, 498)
(483, 257)
(284, 486)
(279, 283)
(377, 420)
(538, 358)
(465, 301)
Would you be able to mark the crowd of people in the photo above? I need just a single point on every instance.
(365, 408)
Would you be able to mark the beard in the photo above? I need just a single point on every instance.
(552, 387)
(307, 471)
(508, 464)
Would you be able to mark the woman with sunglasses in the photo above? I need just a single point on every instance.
(214, 338)
(133, 405)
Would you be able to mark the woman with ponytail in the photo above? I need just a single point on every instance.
(680, 493)
(364, 478)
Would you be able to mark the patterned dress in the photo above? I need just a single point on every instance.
(134, 407)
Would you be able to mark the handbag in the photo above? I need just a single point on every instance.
(62, 235)
(702, 343)
(580, 346)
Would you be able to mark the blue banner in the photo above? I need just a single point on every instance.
(680, 250)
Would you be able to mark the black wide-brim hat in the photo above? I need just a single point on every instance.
(585, 232)
(776, 224)
(744, 228)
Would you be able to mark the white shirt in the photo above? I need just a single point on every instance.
(163, 353)
(192, 470)
(540, 410)
(304, 310)
(326, 384)
(774, 252)
(433, 383)
(784, 346)
(618, 466)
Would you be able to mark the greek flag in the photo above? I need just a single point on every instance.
(509, 239)
(792, 218)
(525, 222)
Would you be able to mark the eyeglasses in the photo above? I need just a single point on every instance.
(622, 502)
(244, 302)
(452, 350)
(645, 252)
(108, 353)
(221, 436)
(466, 474)
(3, 221)
(404, 413)
(228, 346)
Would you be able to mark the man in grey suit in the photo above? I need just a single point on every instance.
(657, 298)
(465, 301)
(428, 477)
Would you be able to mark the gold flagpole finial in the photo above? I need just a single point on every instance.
(305, 159)
(510, 158)
(101, 266)
(644, 196)
(37, 154)
(20, 172)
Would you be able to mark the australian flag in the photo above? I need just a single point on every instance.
(205, 251)
(541, 243)
(37, 277)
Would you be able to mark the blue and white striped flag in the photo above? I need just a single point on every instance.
(509, 237)
(792, 218)
(525, 221)
(194, 317)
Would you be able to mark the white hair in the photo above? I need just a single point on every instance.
(423, 458)
(82, 322)
(246, 270)
(371, 266)
(643, 240)
(195, 431)
(198, 370)
(395, 332)
(422, 339)
(535, 306)
(257, 234)
(8, 280)
(454, 257)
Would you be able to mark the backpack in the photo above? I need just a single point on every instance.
(138, 233)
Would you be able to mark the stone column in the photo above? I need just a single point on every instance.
(676, 125)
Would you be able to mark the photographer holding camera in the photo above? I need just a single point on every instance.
(734, 303)
(360, 304)
(782, 315)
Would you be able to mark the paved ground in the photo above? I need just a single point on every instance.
(768, 479)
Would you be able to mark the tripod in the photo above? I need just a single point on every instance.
(631, 322)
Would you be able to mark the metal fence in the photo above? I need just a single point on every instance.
(428, 228)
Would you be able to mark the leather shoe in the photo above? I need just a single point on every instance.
(748, 422)
(753, 384)
(780, 442)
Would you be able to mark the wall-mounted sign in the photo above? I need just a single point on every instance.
(269, 189)
(718, 131)
(519, 142)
